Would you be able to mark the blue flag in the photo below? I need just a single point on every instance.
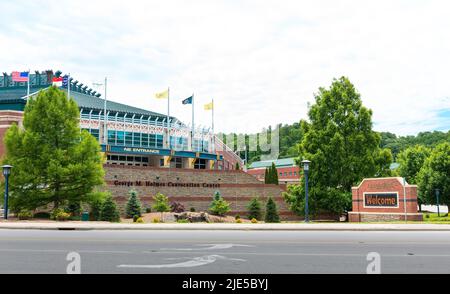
(187, 100)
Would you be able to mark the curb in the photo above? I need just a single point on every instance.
(213, 227)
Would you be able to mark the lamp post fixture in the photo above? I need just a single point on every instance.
(6, 173)
(305, 164)
(437, 201)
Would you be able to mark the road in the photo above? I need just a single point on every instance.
(227, 252)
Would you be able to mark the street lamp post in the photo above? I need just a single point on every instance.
(6, 173)
(437, 201)
(305, 164)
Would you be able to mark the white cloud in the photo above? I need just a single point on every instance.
(261, 62)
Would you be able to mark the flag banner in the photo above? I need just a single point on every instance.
(187, 100)
(57, 82)
(209, 106)
(65, 81)
(20, 76)
(162, 95)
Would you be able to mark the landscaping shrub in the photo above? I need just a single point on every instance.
(161, 203)
(272, 212)
(74, 208)
(41, 215)
(237, 217)
(254, 209)
(133, 205)
(219, 206)
(24, 215)
(109, 211)
(148, 210)
(192, 209)
(254, 221)
(139, 220)
(55, 212)
(238, 221)
(156, 220)
(182, 221)
(62, 216)
(96, 208)
(135, 218)
(176, 207)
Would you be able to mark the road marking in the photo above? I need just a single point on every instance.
(211, 247)
(194, 262)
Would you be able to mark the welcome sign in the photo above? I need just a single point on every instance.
(381, 199)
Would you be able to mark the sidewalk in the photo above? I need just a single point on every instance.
(223, 226)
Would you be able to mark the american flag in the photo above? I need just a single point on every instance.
(20, 76)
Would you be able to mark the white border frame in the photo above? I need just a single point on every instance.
(382, 207)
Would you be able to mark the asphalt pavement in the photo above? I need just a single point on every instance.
(225, 252)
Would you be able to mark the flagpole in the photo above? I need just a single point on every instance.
(28, 84)
(105, 134)
(68, 86)
(193, 129)
(213, 137)
(168, 114)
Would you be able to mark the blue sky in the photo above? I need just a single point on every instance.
(261, 61)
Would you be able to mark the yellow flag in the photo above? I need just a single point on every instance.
(162, 95)
(209, 106)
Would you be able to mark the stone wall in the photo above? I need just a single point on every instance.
(193, 188)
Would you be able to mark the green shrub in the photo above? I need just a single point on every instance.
(427, 216)
(55, 212)
(219, 206)
(192, 209)
(183, 221)
(148, 210)
(238, 221)
(237, 217)
(161, 203)
(139, 220)
(133, 205)
(254, 209)
(74, 208)
(272, 212)
(62, 216)
(96, 208)
(156, 220)
(109, 211)
(254, 221)
(135, 218)
(41, 215)
(24, 215)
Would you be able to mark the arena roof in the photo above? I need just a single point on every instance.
(278, 163)
(12, 95)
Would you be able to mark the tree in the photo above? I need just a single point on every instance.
(134, 206)
(53, 161)
(237, 167)
(274, 177)
(339, 141)
(266, 176)
(109, 211)
(161, 203)
(254, 209)
(219, 206)
(271, 212)
(411, 161)
(435, 174)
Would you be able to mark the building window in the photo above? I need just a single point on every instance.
(200, 164)
(176, 162)
(290, 173)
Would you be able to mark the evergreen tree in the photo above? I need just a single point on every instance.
(237, 166)
(274, 177)
(254, 209)
(339, 141)
(266, 176)
(219, 206)
(133, 205)
(109, 211)
(53, 161)
(271, 212)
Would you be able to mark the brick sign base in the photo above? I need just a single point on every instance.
(383, 199)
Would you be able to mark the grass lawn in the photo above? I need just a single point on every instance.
(431, 217)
